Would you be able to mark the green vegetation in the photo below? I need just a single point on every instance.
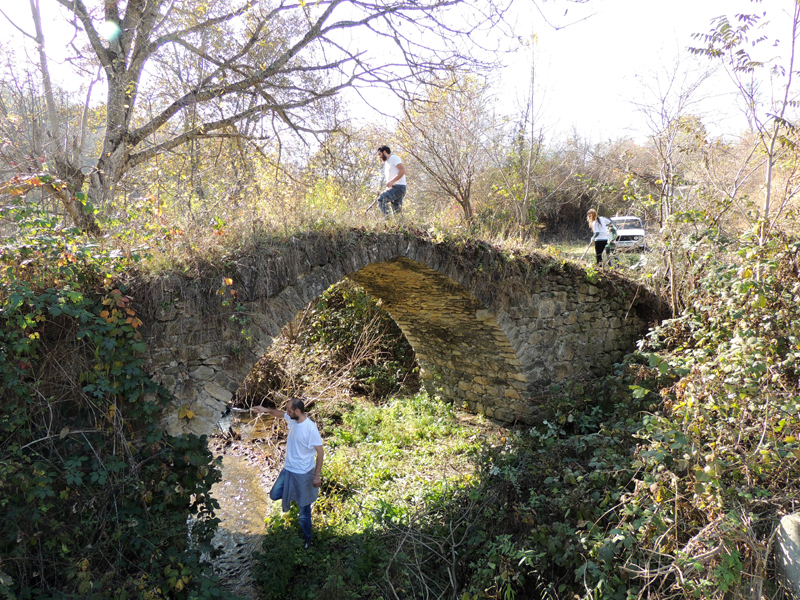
(95, 497)
(347, 328)
(388, 466)
(664, 479)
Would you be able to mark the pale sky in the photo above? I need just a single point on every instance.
(591, 70)
(588, 71)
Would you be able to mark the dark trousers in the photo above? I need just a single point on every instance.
(599, 246)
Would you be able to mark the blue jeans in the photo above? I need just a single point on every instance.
(276, 493)
(391, 201)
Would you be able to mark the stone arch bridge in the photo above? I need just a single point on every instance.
(491, 329)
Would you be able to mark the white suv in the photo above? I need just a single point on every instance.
(630, 233)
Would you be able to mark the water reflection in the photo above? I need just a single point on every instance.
(243, 495)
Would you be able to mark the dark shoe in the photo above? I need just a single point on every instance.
(306, 545)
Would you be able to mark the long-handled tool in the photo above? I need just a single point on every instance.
(585, 251)
(370, 206)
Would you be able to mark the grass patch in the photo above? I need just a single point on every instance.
(570, 249)
(627, 259)
(388, 467)
(391, 455)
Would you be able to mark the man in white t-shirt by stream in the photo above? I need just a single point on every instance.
(391, 200)
(299, 479)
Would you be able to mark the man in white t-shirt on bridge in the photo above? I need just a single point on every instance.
(391, 201)
(300, 477)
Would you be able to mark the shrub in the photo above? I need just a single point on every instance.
(95, 496)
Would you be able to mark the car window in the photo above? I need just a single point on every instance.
(627, 223)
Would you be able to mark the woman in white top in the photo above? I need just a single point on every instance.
(600, 232)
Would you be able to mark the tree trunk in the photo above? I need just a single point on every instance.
(46, 83)
(466, 206)
(82, 220)
(109, 171)
(673, 293)
(65, 170)
(113, 161)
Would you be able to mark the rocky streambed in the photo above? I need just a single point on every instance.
(252, 453)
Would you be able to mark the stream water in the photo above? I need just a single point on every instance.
(243, 496)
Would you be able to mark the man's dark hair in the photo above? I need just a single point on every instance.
(297, 404)
(385, 149)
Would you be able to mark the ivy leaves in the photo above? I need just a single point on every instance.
(85, 471)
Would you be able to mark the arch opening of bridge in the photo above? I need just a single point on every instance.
(490, 332)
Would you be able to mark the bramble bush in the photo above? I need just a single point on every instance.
(666, 478)
(95, 497)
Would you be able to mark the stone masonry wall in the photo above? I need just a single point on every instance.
(488, 333)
